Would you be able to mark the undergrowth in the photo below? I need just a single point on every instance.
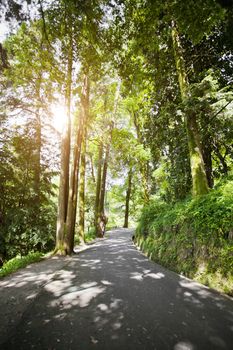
(193, 237)
(19, 262)
(90, 235)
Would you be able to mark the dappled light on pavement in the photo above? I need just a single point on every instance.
(112, 297)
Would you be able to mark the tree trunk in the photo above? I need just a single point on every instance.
(207, 157)
(98, 187)
(144, 166)
(68, 133)
(82, 191)
(38, 143)
(62, 202)
(104, 177)
(221, 158)
(101, 213)
(65, 162)
(92, 170)
(37, 168)
(127, 198)
(74, 183)
(145, 176)
(101, 219)
(3, 58)
(73, 193)
(199, 179)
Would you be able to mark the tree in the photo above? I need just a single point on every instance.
(98, 187)
(199, 178)
(149, 18)
(29, 209)
(127, 198)
(147, 92)
(76, 36)
(79, 151)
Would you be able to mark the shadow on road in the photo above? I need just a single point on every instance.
(112, 297)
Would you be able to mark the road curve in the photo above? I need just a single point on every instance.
(112, 297)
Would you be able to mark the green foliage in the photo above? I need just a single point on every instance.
(146, 131)
(193, 237)
(90, 235)
(27, 211)
(19, 262)
(29, 229)
(149, 74)
(197, 18)
(27, 216)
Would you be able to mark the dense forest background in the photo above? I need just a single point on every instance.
(119, 112)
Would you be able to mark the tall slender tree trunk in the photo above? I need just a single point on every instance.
(73, 192)
(98, 186)
(221, 158)
(104, 178)
(101, 211)
(144, 166)
(82, 192)
(101, 219)
(37, 168)
(92, 170)
(65, 163)
(207, 157)
(38, 142)
(127, 198)
(199, 179)
(145, 181)
(74, 177)
(68, 133)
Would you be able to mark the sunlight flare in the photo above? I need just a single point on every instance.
(58, 116)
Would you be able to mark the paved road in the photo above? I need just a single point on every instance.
(111, 297)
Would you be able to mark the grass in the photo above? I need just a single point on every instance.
(22, 261)
(19, 262)
(90, 236)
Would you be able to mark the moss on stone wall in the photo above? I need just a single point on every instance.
(193, 237)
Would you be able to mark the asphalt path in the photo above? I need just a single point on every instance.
(112, 297)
